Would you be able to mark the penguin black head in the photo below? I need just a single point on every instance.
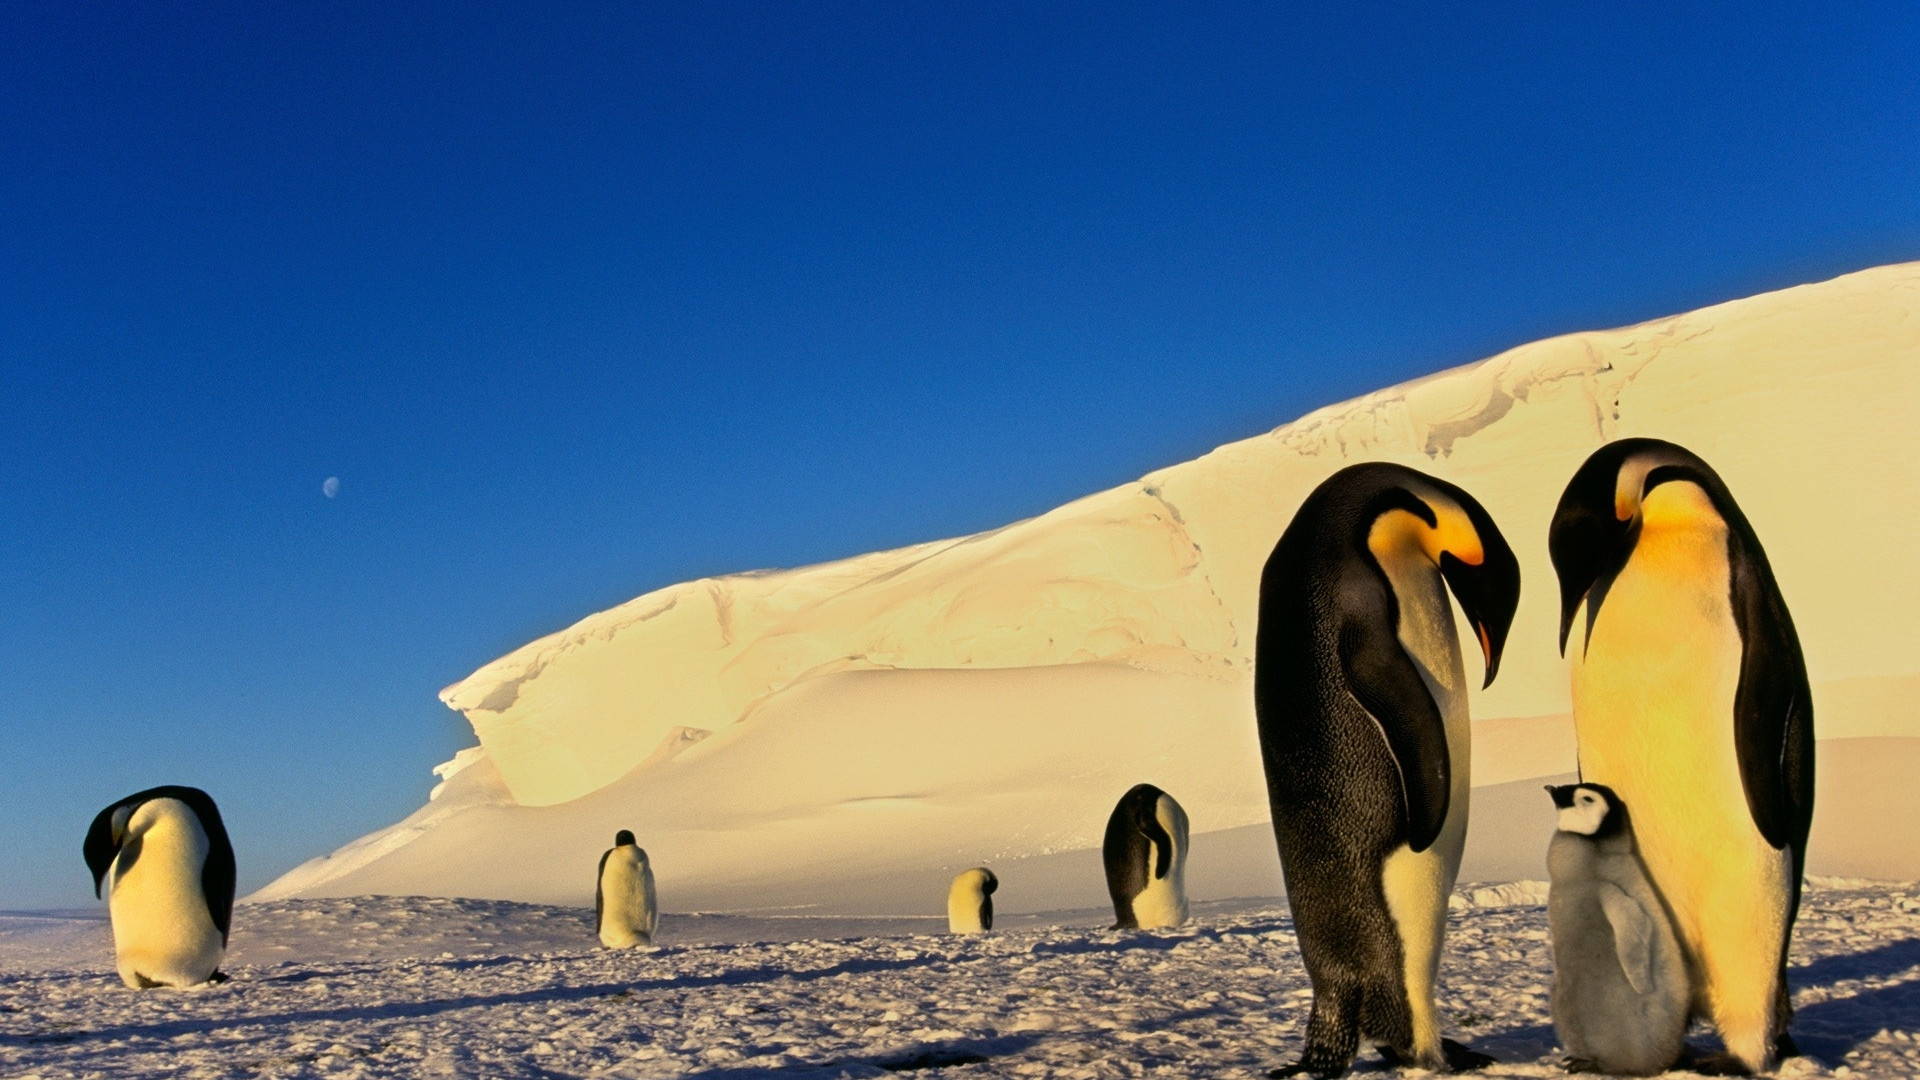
(1598, 519)
(1461, 538)
(624, 838)
(988, 882)
(104, 838)
(1588, 809)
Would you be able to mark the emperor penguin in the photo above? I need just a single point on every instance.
(163, 857)
(1620, 991)
(1690, 701)
(970, 901)
(1361, 699)
(1146, 857)
(624, 907)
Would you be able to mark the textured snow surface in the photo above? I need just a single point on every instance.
(1223, 997)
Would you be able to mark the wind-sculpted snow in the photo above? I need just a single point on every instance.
(1223, 997)
(916, 711)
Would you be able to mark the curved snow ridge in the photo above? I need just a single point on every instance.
(1112, 577)
(1106, 642)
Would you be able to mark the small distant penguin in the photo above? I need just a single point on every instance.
(1690, 701)
(164, 859)
(1361, 699)
(624, 906)
(970, 901)
(1620, 990)
(1146, 856)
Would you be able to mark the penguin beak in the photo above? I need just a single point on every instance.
(1488, 593)
(1486, 654)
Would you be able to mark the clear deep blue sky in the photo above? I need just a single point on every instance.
(581, 303)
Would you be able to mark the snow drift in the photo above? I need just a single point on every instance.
(842, 737)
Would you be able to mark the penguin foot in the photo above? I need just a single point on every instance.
(1784, 1047)
(1322, 1068)
(1461, 1059)
(1720, 1064)
(1581, 1065)
(1299, 1067)
(218, 977)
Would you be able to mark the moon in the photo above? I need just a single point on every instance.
(331, 487)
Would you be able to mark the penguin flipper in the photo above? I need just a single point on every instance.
(599, 892)
(1772, 715)
(1632, 935)
(1386, 684)
(217, 879)
(1161, 846)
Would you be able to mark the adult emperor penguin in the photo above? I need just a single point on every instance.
(166, 864)
(1620, 990)
(624, 906)
(1690, 700)
(1361, 697)
(1146, 856)
(970, 901)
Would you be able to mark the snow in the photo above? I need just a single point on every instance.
(833, 738)
(424, 986)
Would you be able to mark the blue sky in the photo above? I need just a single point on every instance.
(580, 303)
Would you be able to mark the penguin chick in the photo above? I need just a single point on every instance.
(970, 901)
(1620, 987)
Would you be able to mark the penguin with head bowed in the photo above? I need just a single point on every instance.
(1145, 851)
(1690, 700)
(970, 901)
(166, 866)
(1620, 990)
(1361, 697)
(624, 907)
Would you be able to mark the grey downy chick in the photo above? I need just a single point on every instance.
(1620, 988)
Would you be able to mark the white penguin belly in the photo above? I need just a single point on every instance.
(162, 932)
(1653, 697)
(627, 909)
(1418, 884)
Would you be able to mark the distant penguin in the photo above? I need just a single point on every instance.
(164, 859)
(970, 901)
(624, 906)
(1361, 698)
(1146, 856)
(1620, 990)
(1690, 700)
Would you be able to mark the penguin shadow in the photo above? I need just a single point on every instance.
(1827, 1030)
(1527, 1042)
(1128, 940)
(905, 1061)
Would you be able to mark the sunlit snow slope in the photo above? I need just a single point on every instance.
(842, 737)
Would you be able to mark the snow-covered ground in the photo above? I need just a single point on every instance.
(431, 987)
